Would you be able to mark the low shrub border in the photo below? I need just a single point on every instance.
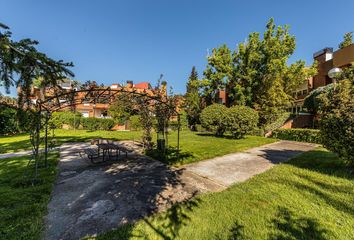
(298, 134)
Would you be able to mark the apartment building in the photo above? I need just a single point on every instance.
(326, 59)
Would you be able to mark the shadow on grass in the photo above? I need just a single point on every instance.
(171, 156)
(234, 233)
(209, 134)
(324, 162)
(290, 227)
(174, 219)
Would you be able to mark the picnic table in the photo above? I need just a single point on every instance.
(110, 149)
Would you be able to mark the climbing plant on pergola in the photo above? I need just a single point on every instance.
(62, 99)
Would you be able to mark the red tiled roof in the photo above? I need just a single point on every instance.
(144, 85)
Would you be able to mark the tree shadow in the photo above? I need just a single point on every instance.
(289, 227)
(209, 134)
(279, 156)
(323, 162)
(174, 218)
(116, 193)
(234, 233)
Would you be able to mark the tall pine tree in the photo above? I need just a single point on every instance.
(192, 100)
(347, 40)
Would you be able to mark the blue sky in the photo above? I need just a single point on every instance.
(115, 41)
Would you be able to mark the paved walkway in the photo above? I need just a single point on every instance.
(237, 167)
(15, 154)
(22, 153)
(88, 200)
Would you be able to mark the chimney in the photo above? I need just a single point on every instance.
(129, 84)
(323, 55)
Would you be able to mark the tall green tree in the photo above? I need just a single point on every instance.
(192, 103)
(217, 74)
(257, 73)
(347, 40)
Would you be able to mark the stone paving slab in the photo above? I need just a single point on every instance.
(237, 167)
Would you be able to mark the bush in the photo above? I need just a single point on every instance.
(337, 120)
(213, 118)
(8, 120)
(58, 119)
(106, 124)
(94, 124)
(281, 118)
(241, 120)
(135, 122)
(298, 134)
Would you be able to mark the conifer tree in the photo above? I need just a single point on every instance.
(347, 40)
(192, 100)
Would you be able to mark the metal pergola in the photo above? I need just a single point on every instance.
(68, 99)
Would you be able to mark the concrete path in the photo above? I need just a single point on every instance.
(22, 153)
(90, 199)
(15, 154)
(237, 167)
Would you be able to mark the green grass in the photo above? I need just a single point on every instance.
(21, 142)
(23, 205)
(311, 197)
(194, 146)
(199, 146)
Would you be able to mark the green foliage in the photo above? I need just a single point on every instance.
(347, 40)
(298, 134)
(241, 120)
(122, 108)
(135, 122)
(217, 74)
(337, 119)
(93, 124)
(256, 74)
(21, 63)
(282, 117)
(8, 121)
(58, 119)
(192, 104)
(312, 102)
(213, 118)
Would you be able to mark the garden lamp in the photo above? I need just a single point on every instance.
(334, 73)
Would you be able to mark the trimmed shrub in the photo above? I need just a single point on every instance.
(337, 120)
(241, 120)
(298, 134)
(213, 118)
(94, 124)
(58, 119)
(106, 124)
(90, 123)
(135, 123)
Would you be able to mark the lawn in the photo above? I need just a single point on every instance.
(311, 197)
(22, 206)
(194, 146)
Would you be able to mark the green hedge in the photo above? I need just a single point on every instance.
(58, 119)
(298, 134)
(93, 124)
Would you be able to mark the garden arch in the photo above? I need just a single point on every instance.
(68, 99)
